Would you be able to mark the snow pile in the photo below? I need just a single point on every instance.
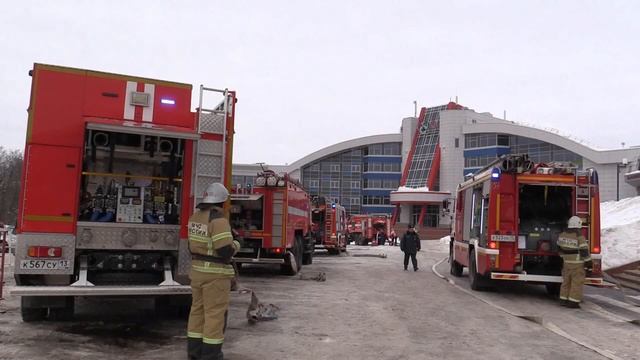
(410, 189)
(620, 222)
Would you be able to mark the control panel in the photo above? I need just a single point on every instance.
(130, 204)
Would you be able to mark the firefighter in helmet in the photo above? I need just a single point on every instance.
(574, 251)
(212, 246)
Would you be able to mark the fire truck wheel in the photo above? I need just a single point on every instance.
(553, 289)
(477, 281)
(64, 313)
(287, 268)
(31, 314)
(333, 251)
(307, 259)
(456, 268)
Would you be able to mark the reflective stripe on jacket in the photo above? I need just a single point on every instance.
(574, 248)
(208, 232)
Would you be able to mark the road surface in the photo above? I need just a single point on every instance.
(368, 308)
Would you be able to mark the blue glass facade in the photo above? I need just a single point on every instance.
(360, 178)
(482, 149)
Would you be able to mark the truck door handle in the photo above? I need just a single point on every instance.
(71, 166)
(66, 214)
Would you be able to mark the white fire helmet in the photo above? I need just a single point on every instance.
(214, 194)
(574, 223)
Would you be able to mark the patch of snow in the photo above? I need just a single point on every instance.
(620, 239)
(410, 189)
(445, 240)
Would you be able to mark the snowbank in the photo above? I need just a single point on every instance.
(620, 239)
(410, 189)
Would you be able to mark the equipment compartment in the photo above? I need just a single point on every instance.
(131, 178)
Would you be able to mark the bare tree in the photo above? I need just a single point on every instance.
(10, 171)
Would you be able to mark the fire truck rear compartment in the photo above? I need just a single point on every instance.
(247, 212)
(131, 178)
(543, 214)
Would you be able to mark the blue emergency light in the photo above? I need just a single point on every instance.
(333, 205)
(495, 174)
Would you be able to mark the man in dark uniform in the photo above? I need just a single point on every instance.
(410, 245)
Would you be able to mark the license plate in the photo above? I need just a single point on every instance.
(508, 238)
(44, 264)
(246, 250)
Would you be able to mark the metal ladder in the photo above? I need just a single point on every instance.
(583, 196)
(327, 226)
(210, 150)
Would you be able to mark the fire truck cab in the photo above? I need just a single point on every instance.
(329, 225)
(274, 222)
(114, 166)
(508, 217)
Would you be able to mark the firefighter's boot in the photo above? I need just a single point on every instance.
(211, 352)
(194, 348)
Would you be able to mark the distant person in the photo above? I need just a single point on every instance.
(380, 238)
(574, 251)
(393, 238)
(410, 245)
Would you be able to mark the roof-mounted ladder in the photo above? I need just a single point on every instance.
(209, 155)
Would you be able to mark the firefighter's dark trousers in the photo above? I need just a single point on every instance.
(210, 300)
(414, 261)
(572, 281)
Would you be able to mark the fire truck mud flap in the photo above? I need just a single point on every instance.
(100, 290)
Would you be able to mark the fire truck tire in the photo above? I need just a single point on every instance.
(64, 313)
(553, 289)
(287, 268)
(31, 314)
(456, 268)
(333, 251)
(307, 259)
(476, 281)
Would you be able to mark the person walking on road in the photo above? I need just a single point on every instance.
(393, 238)
(212, 246)
(380, 238)
(410, 245)
(574, 251)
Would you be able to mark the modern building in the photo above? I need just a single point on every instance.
(411, 173)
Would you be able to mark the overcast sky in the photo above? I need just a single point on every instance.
(312, 73)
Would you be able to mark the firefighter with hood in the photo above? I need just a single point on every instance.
(574, 250)
(212, 246)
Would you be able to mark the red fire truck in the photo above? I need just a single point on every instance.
(274, 222)
(509, 215)
(364, 228)
(378, 223)
(114, 166)
(356, 228)
(329, 225)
